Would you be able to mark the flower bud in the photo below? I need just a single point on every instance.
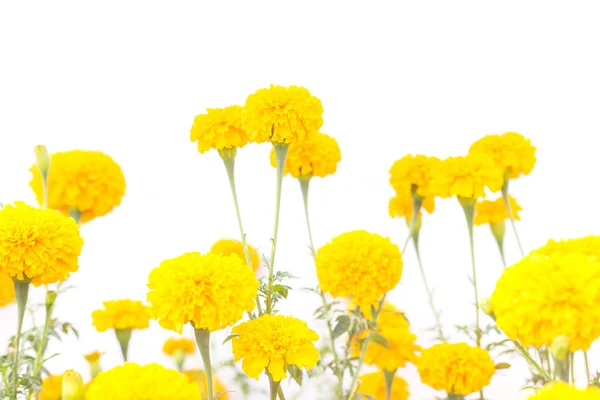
(179, 357)
(42, 160)
(50, 298)
(72, 386)
(485, 305)
(498, 230)
(560, 347)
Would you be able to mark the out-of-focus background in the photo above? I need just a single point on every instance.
(127, 78)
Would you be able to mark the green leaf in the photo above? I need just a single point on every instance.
(282, 290)
(343, 323)
(502, 366)
(295, 373)
(377, 338)
(228, 338)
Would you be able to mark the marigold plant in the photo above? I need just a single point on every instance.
(179, 344)
(564, 391)
(417, 171)
(7, 290)
(199, 377)
(121, 314)
(373, 385)
(511, 152)
(219, 128)
(52, 388)
(491, 212)
(226, 247)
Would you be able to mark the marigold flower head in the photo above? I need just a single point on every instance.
(540, 298)
(93, 357)
(412, 171)
(121, 314)
(89, 181)
(394, 327)
(456, 368)
(41, 245)
(359, 264)
(274, 342)
(466, 177)
(52, 388)
(219, 128)
(373, 385)
(282, 114)
(7, 290)
(317, 155)
(564, 391)
(133, 382)
(210, 291)
(401, 205)
(511, 152)
(589, 245)
(492, 212)
(226, 247)
(199, 377)
(174, 344)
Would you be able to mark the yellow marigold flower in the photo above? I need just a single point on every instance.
(511, 152)
(318, 155)
(133, 382)
(41, 245)
(219, 128)
(492, 212)
(282, 114)
(52, 388)
(589, 245)
(210, 291)
(456, 368)
(226, 247)
(414, 170)
(359, 264)
(401, 205)
(373, 385)
(89, 181)
(199, 377)
(274, 342)
(174, 344)
(93, 357)
(540, 298)
(7, 290)
(564, 391)
(121, 314)
(466, 177)
(393, 326)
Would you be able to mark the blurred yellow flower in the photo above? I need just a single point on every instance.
(589, 245)
(210, 291)
(511, 152)
(89, 181)
(394, 327)
(491, 212)
(542, 297)
(564, 391)
(7, 290)
(134, 382)
(373, 385)
(226, 247)
(52, 388)
(456, 368)
(274, 342)
(317, 155)
(282, 114)
(121, 314)
(219, 128)
(466, 177)
(359, 264)
(414, 171)
(199, 377)
(41, 245)
(173, 344)
(93, 357)
(401, 205)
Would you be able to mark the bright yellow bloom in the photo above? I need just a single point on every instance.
(359, 264)
(466, 177)
(210, 291)
(317, 155)
(174, 344)
(219, 128)
(93, 357)
(121, 314)
(7, 289)
(542, 297)
(282, 114)
(52, 388)
(199, 377)
(401, 205)
(134, 382)
(589, 245)
(226, 247)
(492, 212)
(511, 152)
(41, 245)
(393, 326)
(89, 181)
(414, 171)
(564, 391)
(373, 385)
(456, 368)
(274, 342)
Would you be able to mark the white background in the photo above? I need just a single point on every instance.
(127, 78)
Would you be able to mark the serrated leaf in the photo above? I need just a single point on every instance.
(379, 339)
(228, 338)
(282, 290)
(341, 327)
(295, 373)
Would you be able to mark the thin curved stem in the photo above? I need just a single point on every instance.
(511, 215)
(42, 345)
(543, 373)
(587, 366)
(468, 206)
(21, 293)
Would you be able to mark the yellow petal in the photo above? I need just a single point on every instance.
(277, 369)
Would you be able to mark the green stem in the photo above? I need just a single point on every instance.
(452, 396)
(389, 382)
(203, 341)
(572, 367)
(44, 189)
(273, 388)
(123, 337)
(543, 373)
(417, 201)
(304, 183)
(510, 214)
(280, 393)
(21, 293)
(42, 345)
(587, 366)
(562, 368)
(280, 156)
